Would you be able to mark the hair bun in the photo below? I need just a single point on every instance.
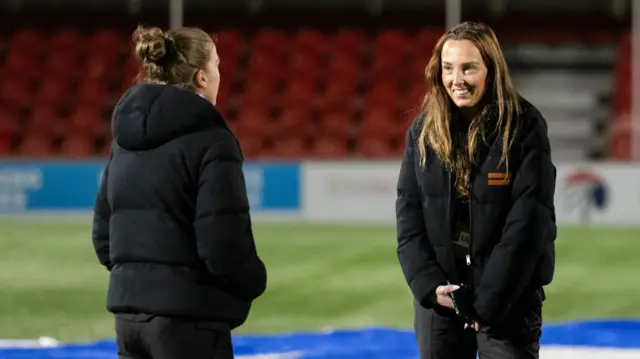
(151, 44)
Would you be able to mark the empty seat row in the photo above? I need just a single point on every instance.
(285, 93)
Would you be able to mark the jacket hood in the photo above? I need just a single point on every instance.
(150, 115)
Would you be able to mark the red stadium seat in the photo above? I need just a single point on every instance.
(293, 120)
(305, 64)
(410, 101)
(385, 93)
(54, 90)
(8, 113)
(385, 67)
(327, 147)
(251, 146)
(300, 91)
(5, 143)
(289, 147)
(264, 64)
(86, 119)
(269, 42)
(424, 42)
(373, 147)
(348, 41)
(417, 67)
(343, 65)
(21, 63)
(132, 65)
(44, 118)
(225, 92)
(310, 41)
(65, 40)
(336, 125)
(18, 91)
(131, 68)
(380, 121)
(100, 66)
(94, 91)
(29, 41)
(9, 123)
(251, 122)
(339, 94)
(228, 68)
(259, 91)
(62, 64)
(77, 146)
(229, 43)
(392, 42)
(105, 42)
(36, 144)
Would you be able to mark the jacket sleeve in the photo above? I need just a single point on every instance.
(529, 225)
(101, 217)
(223, 225)
(415, 253)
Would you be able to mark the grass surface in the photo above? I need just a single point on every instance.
(319, 276)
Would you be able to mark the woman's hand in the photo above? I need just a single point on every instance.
(475, 326)
(442, 295)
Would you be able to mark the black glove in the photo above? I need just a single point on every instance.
(463, 304)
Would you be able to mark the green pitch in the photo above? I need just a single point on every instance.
(320, 276)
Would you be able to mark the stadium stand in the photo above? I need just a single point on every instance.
(620, 128)
(293, 106)
(287, 94)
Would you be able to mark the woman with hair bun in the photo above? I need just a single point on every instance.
(171, 219)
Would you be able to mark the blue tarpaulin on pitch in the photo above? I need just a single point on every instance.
(373, 343)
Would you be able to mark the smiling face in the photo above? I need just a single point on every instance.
(464, 73)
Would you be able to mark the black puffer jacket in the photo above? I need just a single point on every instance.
(512, 220)
(171, 218)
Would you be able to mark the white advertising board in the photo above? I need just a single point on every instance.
(349, 191)
(587, 193)
(604, 194)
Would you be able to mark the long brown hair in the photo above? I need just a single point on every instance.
(438, 108)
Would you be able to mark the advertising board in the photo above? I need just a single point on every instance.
(586, 193)
(31, 186)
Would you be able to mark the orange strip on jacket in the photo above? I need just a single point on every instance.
(499, 175)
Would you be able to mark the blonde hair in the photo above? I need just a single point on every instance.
(437, 106)
(172, 57)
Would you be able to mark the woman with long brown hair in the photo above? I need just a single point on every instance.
(475, 209)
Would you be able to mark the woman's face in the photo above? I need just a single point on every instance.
(464, 73)
(208, 80)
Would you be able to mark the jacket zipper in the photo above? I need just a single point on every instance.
(470, 235)
(449, 234)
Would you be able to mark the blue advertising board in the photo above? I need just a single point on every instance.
(27, 186)
(273, 186)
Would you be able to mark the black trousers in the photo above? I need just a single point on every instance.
(144, 336)
(441, 335)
